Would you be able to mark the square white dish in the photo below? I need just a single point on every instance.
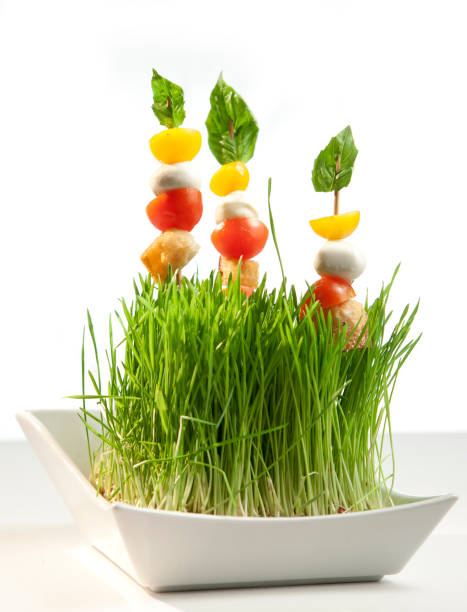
(166, 551)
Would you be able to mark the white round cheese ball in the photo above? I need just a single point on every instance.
(340, 258)
(233, 207)
(174, 176)
(234, 196)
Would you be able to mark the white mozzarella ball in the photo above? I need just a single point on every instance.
(340, 258)
(174, 176)
(235, 196)
(229, 209)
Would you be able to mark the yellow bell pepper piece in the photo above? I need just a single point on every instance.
(175, 145)
(230, 177)
(336, 227)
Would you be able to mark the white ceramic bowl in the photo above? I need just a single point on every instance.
(173, 550)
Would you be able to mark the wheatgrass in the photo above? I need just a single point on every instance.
(218, 404)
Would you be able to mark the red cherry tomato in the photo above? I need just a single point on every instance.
(240, 237)
(329, 291)
(179, 208)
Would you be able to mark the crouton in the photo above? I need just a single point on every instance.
(353, 314)
(175, 247)
(249, 271)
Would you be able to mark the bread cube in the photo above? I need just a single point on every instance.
(249, 271)
(175, 247)
(353, 314)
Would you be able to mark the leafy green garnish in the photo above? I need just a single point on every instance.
(341, 150)
(232, 129)
(168, 101)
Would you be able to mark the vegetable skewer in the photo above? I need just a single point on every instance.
(178, 204)
(338, 261)
(239, 234)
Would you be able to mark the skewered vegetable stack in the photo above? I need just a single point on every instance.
(239, 235)
(339, 262)
(178, 204)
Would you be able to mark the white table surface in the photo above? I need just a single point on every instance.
(44, 564)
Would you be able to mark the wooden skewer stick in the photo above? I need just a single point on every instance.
(336, 192)
(179, 277)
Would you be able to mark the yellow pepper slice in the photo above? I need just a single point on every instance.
(175, 145)
(230, 177)
(336, 227)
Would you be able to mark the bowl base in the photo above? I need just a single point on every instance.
(272, 583)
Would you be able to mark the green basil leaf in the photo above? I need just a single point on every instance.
(168, 101)
(325, 175)
(232, 129)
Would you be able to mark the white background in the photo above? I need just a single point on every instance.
(75, 118)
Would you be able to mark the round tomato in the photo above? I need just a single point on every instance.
(329, 291)
(177, 208)
(240, 237)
